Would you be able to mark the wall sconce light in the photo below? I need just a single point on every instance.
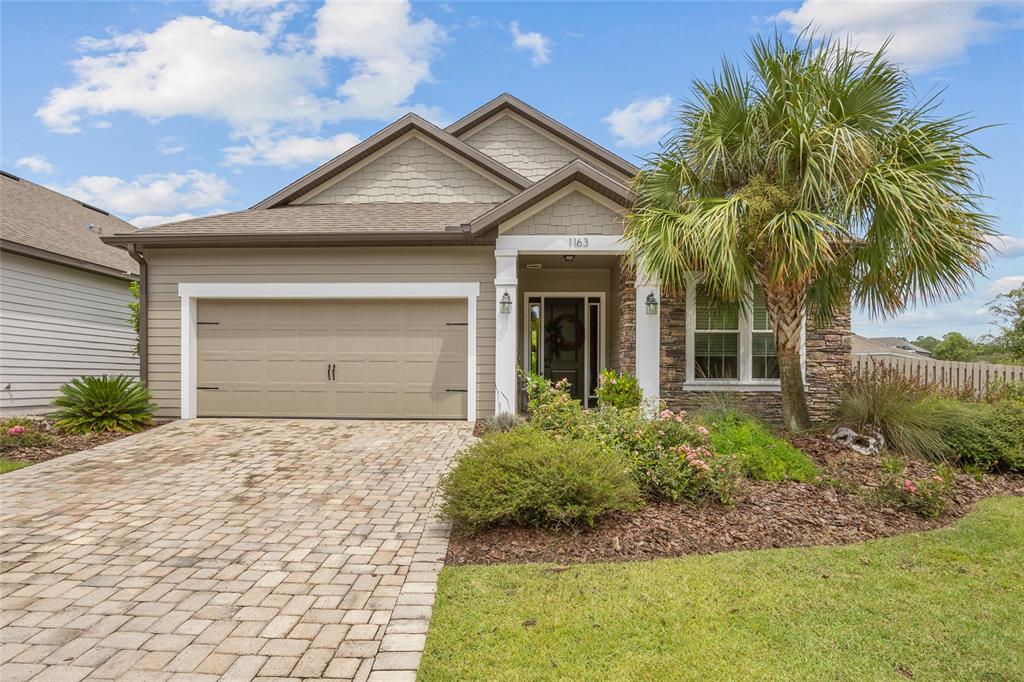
(506, 304)
(652, 304)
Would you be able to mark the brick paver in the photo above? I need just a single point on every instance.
(237, 549)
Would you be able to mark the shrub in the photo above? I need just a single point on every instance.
(927, 497)
(503, 421)
(18, 432)
(762, 455)
(1000, 390)
(897, 407)
(527, 477)
(1007, 429)
(619, 389)
(103, 403)
(552, 408)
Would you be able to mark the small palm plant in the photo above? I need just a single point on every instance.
(812, 176)
(103, 403)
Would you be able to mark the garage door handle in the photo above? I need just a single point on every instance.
(334, 372)
(455, 390)
(207, 388)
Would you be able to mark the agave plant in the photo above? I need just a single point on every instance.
(813, 176)
(103, 403)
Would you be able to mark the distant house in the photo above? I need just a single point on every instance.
(64, 295)
(887, 345)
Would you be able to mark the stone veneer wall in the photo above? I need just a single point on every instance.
(627, 320)
(828, 360)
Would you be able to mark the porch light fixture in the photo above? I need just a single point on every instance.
(652, 304)
(506, 304)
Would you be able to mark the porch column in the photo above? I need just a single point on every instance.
(648, 338)
(505, 331)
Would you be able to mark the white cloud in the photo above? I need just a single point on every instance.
(390, 53)
(170, 145)
(191, 66)
(154, 193)
(270, 15)
(1007, 245)
(643, 121)
(538, 44)
(143, 221)
(925, 33)
(36, 163)
(291, 150)
(1005, 284)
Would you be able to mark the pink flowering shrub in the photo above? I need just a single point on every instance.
(618, 389)
(16, 430)
(19, 432)
(551, 408)
(926, 496)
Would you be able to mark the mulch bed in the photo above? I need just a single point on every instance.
(767, 515)
(63, 444)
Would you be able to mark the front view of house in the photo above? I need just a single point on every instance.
(413, 275)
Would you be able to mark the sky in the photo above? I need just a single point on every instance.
(160, 111)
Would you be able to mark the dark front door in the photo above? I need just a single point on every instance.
(565, 342)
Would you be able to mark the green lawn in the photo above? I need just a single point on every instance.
(11, 465)
(942, 605)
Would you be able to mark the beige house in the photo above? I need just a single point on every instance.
(63, 295)
(414, 274)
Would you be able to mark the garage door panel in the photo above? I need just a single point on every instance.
(391, 358)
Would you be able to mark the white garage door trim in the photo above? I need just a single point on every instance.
(192, 291)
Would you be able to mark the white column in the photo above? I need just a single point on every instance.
(648, 338)
(505, 331)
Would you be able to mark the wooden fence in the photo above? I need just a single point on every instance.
(945, 373)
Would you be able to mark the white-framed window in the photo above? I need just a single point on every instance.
(729, 344)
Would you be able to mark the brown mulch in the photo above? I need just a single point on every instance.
(63, 444)
(767, 515)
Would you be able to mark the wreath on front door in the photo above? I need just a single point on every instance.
(556, 339)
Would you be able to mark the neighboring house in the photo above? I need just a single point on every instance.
(414, 274)
(63, 295)
(887, 345)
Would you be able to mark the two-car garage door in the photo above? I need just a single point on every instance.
(332, 358)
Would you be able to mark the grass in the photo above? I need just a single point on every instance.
(941, 605)
(763, 455)
(7, 465)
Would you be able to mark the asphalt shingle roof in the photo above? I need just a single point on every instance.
(37, 217)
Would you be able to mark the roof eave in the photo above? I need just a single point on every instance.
(67, 261)
(299, 239)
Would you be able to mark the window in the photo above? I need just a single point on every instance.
(764, 364)
(729, 343)
(716, 339)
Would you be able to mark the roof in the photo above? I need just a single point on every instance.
(43, 224)
(574, 171)
(399, 128)
(506, 101)
(374, 221)
(886, 344)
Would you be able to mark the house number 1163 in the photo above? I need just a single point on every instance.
(578, 242)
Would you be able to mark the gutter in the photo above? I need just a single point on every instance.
(170, 240)
(143, 313)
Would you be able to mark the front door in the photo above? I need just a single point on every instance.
(564, 340)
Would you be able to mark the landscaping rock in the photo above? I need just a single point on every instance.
(864, 444)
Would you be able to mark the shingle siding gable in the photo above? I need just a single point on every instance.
(412, 172)
(516, 145)
(574, 213)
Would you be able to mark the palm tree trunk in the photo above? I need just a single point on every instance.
(786, 309)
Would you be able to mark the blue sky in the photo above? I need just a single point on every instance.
(161, 110)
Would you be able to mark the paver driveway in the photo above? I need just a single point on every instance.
(226, 548)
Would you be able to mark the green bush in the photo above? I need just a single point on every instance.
(551, 407)
(18, 432)
(1000, 390)
(927, 497)
(527, 477)
(762, 455)
(103, 403)
(1006, 424)
(619, 389)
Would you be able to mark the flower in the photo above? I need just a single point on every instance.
(666, 414)
(909, 486)
(16, 430)
(702, 430)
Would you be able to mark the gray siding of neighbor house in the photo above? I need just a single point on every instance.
(170, 267)
(57, 323)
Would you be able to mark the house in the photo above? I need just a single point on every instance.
(413, 275)
(64, 295)
(887, 345)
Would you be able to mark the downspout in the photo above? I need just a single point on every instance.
(143, 313)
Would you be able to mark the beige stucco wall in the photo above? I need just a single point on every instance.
(411, 171)
(169, 267)
(574, 213)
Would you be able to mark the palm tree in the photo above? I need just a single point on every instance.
(813, 176)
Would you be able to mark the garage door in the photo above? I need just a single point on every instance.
(331, 358)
